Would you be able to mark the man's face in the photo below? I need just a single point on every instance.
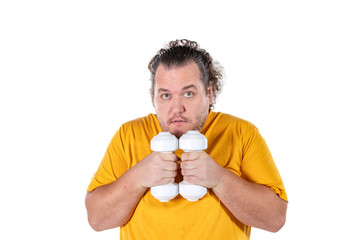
(180, 99)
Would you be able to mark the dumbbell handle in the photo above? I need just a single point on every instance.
(164, 142)
(192, 141)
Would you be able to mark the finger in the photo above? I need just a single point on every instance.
(191, 179)
(170, 166)
(187, 164)
(169, 174)
(169, 157)
(189, 156)
(166, 181)
(188, 172)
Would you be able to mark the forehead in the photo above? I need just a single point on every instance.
(174, 77)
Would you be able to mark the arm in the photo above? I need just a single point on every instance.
(252, 204)
(112, 205)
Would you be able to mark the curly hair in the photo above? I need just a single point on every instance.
(178, 53)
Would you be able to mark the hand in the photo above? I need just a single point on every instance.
(200, 169)
(157, 169)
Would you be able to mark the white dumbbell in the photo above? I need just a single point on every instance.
(192, 141)
(164, 142)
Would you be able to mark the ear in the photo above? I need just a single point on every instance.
(210, 95)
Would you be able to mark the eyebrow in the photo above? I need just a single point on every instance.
(184, 88)
(188, 87)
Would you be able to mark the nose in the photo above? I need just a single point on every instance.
(177, 106)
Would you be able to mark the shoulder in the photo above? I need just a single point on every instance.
(147, 125)
(228, 120)
(222, 125)
(148, 120)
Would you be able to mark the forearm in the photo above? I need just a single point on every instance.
(252, 204)
(112, 205)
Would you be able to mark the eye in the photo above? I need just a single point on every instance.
(165, 96)
(189, 94)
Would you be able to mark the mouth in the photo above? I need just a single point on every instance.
(178, 121)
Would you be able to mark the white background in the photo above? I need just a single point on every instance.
(72, 72)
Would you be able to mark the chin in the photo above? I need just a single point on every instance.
(177, 133)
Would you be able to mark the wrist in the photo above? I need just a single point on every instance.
(134, 175)
(218, 185)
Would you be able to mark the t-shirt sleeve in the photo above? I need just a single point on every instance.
(113, 164)
(258, 165)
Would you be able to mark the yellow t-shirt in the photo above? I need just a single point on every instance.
(234, 143)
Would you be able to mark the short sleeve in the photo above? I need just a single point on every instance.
(113, 164)
(258, 165)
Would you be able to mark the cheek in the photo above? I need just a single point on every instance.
(157, 104)
(161, 109)
(201, 104)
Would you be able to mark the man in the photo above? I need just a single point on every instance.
(244, 186)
